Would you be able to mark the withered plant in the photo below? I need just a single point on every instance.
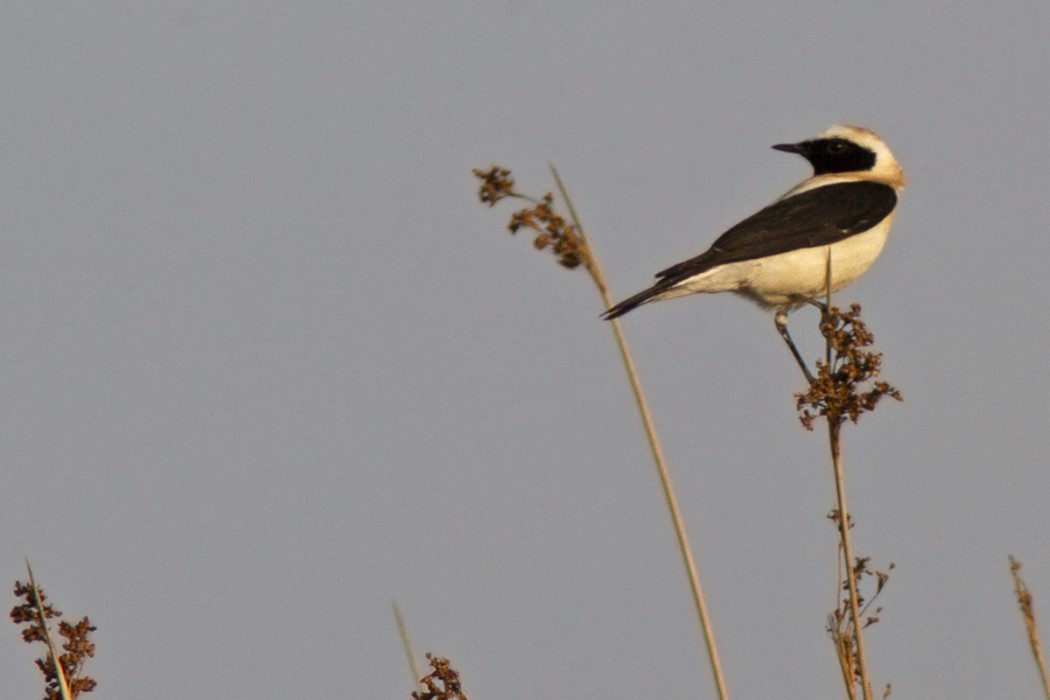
(65, 679)
(442, 683)
(565, 238)
(843, 388)
(1027, 606)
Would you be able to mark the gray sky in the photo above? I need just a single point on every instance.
(267, 364)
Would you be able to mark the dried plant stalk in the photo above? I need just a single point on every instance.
(62, 672)
(844, 387)
(406, 643)
(1025, 603)
(569, 243)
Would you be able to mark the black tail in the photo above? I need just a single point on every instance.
(636, 301)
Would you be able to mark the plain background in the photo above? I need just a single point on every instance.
(268, 365)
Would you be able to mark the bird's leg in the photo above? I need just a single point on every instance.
(823, 307)
(781, 320)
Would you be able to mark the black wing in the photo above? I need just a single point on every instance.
(817, 217)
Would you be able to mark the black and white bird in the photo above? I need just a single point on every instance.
(779, 257)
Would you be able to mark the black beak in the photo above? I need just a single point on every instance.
(799, 148)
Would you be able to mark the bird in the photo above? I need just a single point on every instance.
(834, 223)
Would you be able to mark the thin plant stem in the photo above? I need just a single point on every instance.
(840, 652)
(847, 673)
(1024, 601)
(834, 434)
(835, 441)
(59, 672)
(406, 642)
(595, 271)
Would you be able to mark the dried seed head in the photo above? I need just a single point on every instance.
(442, 683)
(496, 184)
(844, 386)
(552, 229)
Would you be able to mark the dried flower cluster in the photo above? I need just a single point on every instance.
(33, 613)
(837, 393)
(496, 184)
(442, 683)
(552, 229)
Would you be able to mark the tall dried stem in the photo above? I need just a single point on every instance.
(1024, 602)
(63, 673)
(406, 643)
(570, 244)
(843, 389)
(834, 436)
(662, 470)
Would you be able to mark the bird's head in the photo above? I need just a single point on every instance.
(849, 149)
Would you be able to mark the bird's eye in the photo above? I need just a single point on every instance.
(836, 146)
